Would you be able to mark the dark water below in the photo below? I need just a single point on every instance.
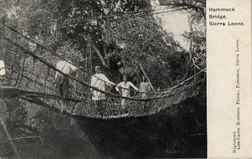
(80, 150)
(69, 142)
(77, 148)
(62, 148)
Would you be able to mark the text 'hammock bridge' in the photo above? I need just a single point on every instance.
(32, 78)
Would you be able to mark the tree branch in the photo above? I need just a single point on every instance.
(186, 5)
(98, 53)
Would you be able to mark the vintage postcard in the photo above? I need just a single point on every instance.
(120, 79)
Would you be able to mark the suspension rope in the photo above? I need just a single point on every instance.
(32, 80)
(18, 92)
(81, 82)
(53, 53)
(55, 69)
(181, 83)
(52, 67)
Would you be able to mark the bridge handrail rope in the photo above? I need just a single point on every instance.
(53, 53)
(154, 103)
(32, 80)
(59, 56)
(35, 97)
(181, 83)
(55, 69)
(24, 71)
(153, 110)
(30, 72)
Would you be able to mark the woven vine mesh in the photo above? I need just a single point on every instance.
(31, 77)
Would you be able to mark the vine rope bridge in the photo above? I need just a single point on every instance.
(30, 77)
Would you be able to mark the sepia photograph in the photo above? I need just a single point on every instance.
(103, 79)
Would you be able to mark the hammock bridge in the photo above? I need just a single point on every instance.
(30, 77)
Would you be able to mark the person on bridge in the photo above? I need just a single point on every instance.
(124, 89)
(2, 68)
(2, 71)
(62, 80)
(99, 81)
(145, 87)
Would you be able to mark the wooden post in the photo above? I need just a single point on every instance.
(9, 138)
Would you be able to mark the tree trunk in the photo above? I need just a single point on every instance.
(97, 52)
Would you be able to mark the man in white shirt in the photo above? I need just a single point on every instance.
(99, 80)
(61, 80)
(64, 67)
(124, 89)
(2, 68)
(2, 72)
